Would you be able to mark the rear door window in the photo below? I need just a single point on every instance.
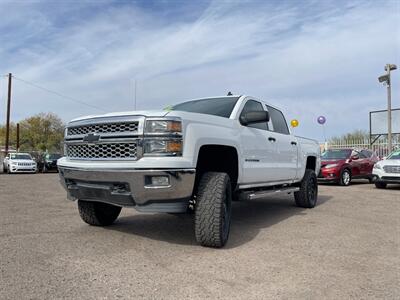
(278, 120)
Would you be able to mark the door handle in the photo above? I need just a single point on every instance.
(294, 143)
(272, 139)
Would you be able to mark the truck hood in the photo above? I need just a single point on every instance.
(146, 113)
(193, 117)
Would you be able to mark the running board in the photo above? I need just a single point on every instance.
(264, 193)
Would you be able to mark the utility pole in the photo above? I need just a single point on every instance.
(8, 114)
(17, 137)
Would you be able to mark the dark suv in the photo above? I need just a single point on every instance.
(48, 162)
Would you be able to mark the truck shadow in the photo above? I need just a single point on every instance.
(248, 218)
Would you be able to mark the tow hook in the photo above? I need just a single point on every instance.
(192, 203)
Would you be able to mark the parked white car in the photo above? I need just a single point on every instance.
(19, 163)
(387, 170)
(199, 155)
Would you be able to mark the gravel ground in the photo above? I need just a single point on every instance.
(346, 247)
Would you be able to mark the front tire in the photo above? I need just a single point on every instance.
(213, 210)
(345, 178)
(98, 213)
(308, 194)
(380, 185)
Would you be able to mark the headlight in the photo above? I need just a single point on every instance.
(163, 147)
(163, 126)
(331, 166)
(13, 163)
(163, 137)
(377, 166)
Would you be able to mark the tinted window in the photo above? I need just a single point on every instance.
(221, 107)
(336, 154)
(278, 120)
(366, 153)
(53, 156)
(363, 154)
(252, 105)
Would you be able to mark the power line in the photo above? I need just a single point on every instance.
(58, 94)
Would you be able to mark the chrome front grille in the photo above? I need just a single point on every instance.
(123, 150)
(392, 169)
(105, 138)
(121, 127)
(25, 164)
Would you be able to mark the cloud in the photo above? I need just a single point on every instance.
(310, 58)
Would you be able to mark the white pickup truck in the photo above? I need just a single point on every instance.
(196, 156)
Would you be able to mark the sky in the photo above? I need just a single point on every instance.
(309, 58)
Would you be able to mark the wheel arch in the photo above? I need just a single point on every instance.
(218, 158)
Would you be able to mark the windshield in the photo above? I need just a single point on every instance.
(20, 156)
(221, 107)
(53, 156)
(394, 155)
(336, 154)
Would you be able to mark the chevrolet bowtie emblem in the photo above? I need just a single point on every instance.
(91, 138)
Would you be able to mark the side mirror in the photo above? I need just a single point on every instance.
(253, 117)
(355, 157)
(383, 158)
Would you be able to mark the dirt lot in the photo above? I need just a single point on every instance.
(346, 247)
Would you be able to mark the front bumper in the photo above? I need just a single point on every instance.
(130, 187)
(22, 169)
(382, 176)
(331, 174)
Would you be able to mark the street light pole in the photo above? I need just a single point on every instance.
(389, 108)
(385, 79)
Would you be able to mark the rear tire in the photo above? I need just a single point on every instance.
(380, 185)
(213, 209)
(308, 194)
(98, 213)
(345, 178)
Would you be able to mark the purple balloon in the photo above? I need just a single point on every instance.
(321, 120)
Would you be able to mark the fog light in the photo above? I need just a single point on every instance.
(157, 181)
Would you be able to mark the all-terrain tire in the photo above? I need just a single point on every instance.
(380, 185)
(345, 177)
(308, 194)
(98, 213)
(213, 209)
